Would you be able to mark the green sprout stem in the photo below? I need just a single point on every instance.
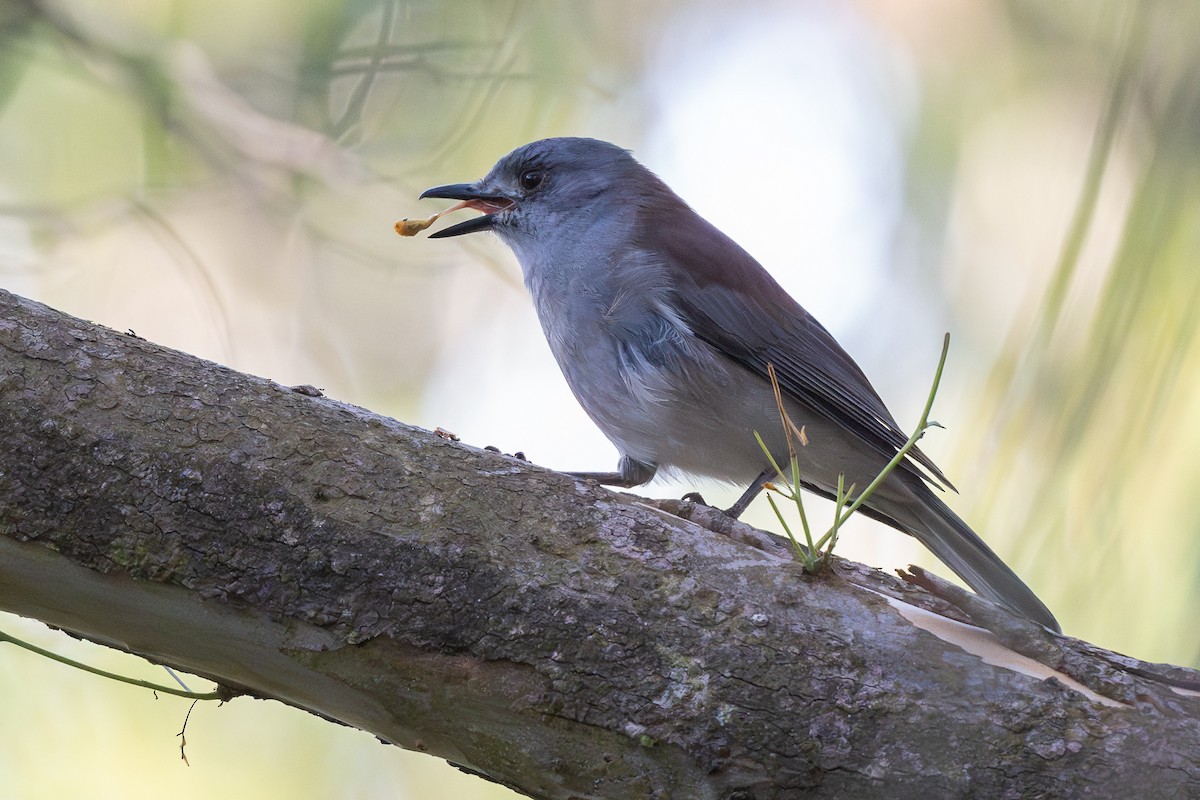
(923, 425)
(215, 695)
(813, 555)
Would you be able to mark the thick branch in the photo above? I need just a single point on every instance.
(546, 633)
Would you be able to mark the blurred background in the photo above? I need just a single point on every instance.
(222, 177)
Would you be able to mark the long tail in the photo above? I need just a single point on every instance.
(932, 523)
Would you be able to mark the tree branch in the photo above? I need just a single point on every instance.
(546, 633)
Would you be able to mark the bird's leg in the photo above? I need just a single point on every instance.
(629, 473)
(751, 492)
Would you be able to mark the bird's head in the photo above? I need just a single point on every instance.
(552, 187)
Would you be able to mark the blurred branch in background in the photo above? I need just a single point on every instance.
(270, 175)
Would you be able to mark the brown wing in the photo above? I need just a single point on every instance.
(733, 304)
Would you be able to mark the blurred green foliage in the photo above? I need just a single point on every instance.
(1093, 417)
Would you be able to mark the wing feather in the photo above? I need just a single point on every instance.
(732, 303)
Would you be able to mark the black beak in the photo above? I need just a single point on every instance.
(453, 191)
(470, 193)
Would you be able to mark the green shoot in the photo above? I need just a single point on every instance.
(70, 662)
(815, 554)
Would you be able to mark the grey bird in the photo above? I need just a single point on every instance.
(664, 327)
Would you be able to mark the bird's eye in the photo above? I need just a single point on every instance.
(531, 179)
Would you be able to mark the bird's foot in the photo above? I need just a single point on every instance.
(519, 455)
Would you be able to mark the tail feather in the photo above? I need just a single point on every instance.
(932, 523)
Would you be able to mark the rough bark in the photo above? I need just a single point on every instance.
(546, 633)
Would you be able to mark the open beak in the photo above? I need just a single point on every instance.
(472, 197)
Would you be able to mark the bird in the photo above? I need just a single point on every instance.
(666, 330)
